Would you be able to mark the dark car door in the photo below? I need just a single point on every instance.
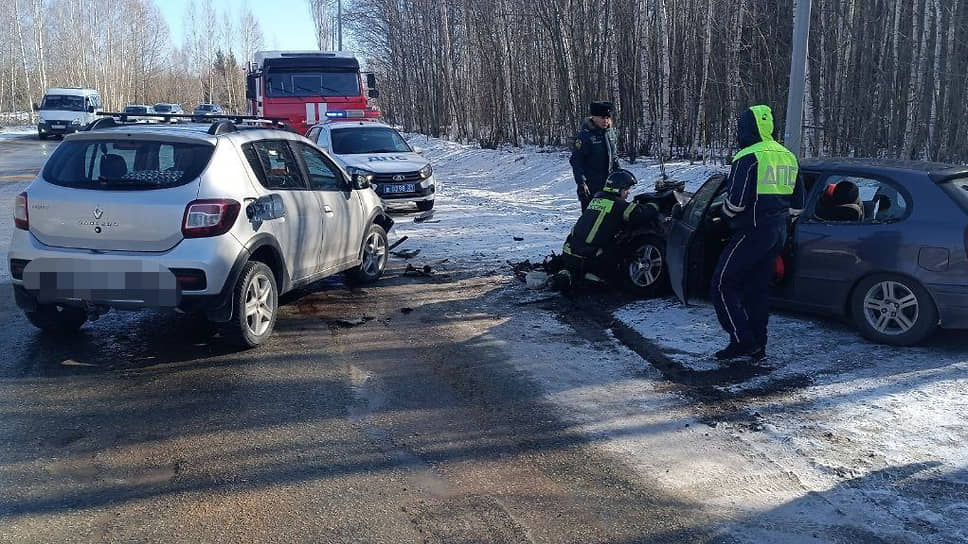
(832, 253)
(682, 252)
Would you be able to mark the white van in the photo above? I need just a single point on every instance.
(66, 110)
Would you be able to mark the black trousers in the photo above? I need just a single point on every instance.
(740, 288)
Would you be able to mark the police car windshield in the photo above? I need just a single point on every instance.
(63, 102)
(313, 84)
(357, 140)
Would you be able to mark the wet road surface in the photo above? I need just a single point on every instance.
(411, 427)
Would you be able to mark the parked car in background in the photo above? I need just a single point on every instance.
(65, 110)
(881, 243)
(175, 109)
(141, 112)
(400, 173)
(204, 110)
(217, 221)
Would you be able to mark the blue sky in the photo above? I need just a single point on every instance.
(286, 24)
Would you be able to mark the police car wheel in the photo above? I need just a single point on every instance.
(57, 319)
(425, 205)
(892, 309)
(644, 270)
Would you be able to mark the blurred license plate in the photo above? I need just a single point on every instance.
(58, 126)
(399, 188)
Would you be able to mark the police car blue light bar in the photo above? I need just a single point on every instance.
(345, 114)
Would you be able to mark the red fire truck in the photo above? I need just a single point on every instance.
(307, 87)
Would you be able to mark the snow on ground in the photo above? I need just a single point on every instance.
(834, 439)
(488, 197)
(16, 131)
(893, 421)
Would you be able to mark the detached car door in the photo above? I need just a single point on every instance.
(681, 254)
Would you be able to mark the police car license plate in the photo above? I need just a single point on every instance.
(399, 188)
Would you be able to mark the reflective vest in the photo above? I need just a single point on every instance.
(777, 168)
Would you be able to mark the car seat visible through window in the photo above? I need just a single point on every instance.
(113, 167)
(840, 202)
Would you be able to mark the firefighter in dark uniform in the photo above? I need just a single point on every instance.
(594, 152)
(763, 194)
(588, 254)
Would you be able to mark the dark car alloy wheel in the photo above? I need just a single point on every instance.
(645, 269)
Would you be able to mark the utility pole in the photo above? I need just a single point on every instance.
(339, 21)
(798, 68)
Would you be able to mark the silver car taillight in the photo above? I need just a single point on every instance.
(209, 217)
(20, 216)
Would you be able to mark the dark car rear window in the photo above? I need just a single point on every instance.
(126, 164)
(957, 189)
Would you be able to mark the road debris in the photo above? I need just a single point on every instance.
(425, 217)
(406, 253)
(347, 323)
(425, 270)
(397, 243)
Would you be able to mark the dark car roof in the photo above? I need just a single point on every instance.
(937, 171)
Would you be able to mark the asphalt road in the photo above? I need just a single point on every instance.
(409, 427)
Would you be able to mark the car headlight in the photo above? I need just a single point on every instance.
(361, 171)
(426, 171)
(76, 122)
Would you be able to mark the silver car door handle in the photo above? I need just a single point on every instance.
(327, 209)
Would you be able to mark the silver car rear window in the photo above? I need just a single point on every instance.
(126, 164)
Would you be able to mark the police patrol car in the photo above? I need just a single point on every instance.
(398, 172)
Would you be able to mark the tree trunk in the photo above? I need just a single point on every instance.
(707, 49)
(915, 86)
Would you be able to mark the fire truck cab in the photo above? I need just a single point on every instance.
(300, 87)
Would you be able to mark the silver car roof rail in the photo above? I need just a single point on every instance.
(221, 123)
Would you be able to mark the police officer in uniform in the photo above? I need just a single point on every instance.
(594, 152)
(763, 193)
(588, 253)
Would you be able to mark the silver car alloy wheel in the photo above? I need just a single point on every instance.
(374, 254)
(259, 304)
(891, 308)
(647, 267)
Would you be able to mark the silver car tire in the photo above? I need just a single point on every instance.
(255, 306)
(374, 255)
(893, 309)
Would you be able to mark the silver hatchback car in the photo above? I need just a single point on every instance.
(216, 222)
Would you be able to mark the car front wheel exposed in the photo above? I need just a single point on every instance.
(374, 256)
(644, 269)
(893, 309)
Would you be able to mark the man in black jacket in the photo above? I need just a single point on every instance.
(594, 152)
(589, 251)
